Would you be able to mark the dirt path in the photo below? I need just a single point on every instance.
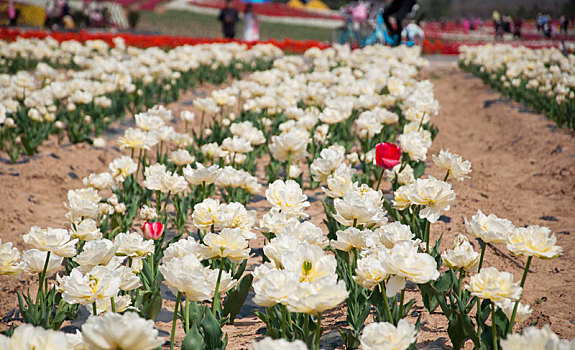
(523, 170)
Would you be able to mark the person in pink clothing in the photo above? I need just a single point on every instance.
(12, 14)
(251, 24)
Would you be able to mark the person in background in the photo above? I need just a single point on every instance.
(517, 23)
(12, 14)
(539, 22)
(476, 23)
(546, 26)
(251, 24)
(466, 24)
(442, 22)
(52, 14)
(563, 24)
(506, 24)
(400, 9)
(497, 24)
(68, 22)
(229, 17)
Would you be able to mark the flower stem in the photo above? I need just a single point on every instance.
(158, 203)
(284, 311)
(164, 215)
(94, 308)
(483, 245)
(306, 328)
(174, 320)
(318, 331)
(478, 317)
(113, 304)
(446, 176)
(41, 279)
(459, 289)
(216, 301)
(138, 168)
(512, 320)
(494, 326)
(187, 316)
(288, 166)
(426, 236)
(386, 303)
(379, 181)
(401, 300)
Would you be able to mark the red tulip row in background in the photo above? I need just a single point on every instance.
(145, 41)
(431, 45)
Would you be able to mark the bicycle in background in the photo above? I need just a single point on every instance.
(362, 30)
(355, 28)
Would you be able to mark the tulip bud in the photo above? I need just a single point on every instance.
(294, 171)
(353, 158)
(34, 114)
(153, 230)
(10, 123)
(387, 155)
(49, 117)
(147, 213)
(99, 142)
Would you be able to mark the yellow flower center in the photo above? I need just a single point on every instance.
(93, 284)
(306, 271)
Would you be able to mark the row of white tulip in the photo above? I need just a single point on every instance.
(543, 79)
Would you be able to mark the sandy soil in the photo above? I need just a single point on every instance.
(523, 170)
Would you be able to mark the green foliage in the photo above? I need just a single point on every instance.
(237, 297)
(205, 332)
(49, 311)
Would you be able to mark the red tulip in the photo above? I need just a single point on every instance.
(153, 230)
(387, 155)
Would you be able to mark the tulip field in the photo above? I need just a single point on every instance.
(226, 196)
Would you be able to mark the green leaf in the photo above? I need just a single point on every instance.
(237, 297)
(152, 305)
(456, 331)
(445, 282)
(407, 307)
(350, 338)
(241, 268)
(212, 332)
(419, 169)
(430, 300)
(193, 339)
